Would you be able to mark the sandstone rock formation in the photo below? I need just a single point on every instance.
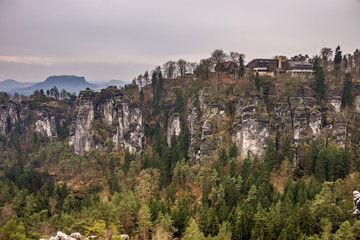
(174, 127)
(108, 115)
(356, 196)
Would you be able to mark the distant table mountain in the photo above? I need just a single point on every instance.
(67, 82)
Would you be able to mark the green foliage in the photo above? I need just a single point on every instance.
(337, 61)
(163, 193)
(97, 228)
(99, 131)
(233, 151)
(257, 82)
(241, 66)
(192, 232)
(319, 86)
(13, 230)
(270, 156)
(347, 97)
(179, 103)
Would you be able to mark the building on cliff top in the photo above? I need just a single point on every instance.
(280, 65)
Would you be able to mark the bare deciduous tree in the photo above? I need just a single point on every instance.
(146, 77)
(234, 56)
(357, 62)
(181, 63)
(203, 69)
(326, 54)
(63, 93)
(169, 69)
(218, 56)
(139, 80)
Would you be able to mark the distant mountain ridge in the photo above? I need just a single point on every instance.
(70, 83)
(10, 84)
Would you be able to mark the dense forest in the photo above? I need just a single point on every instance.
(295, 191)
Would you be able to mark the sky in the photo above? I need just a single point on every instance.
(120, 39)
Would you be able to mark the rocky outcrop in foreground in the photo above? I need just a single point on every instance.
(77, 236)
(356, 196)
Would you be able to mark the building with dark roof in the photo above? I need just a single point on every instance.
(298, 67)
(262, 65)
(281, 65)
(229, 67)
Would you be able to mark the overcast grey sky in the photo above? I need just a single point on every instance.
(120, 39)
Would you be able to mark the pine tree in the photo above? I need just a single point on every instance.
(241, 66)
(224, 232)
(192, 232)
(286, 151)
(344, 232)
(319, 77)
(347, 97)
(233, 152)
(127, 159)
(244, 223)
(320, 172)
(311, 157)
(144, 221)
(332, 157)
(257, 82)
(270, 156)
(337, 61)
(223, 157)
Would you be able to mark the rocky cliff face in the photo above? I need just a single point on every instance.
(297, 116)
(42, 120)
(205, 120)
(9, 115)
(251, 126)
(174, 127)
(103, 117)
(111, 119)
(83, 115)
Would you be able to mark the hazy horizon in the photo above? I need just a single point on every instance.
(108, 39)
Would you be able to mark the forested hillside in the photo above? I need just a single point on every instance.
(188, 151)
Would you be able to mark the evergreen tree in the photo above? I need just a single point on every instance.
(223, 157)
(181, 218)
(286, 151)
(331, 159)
(347, 97)
(320, 172)
(270, 156)
(337, 61)
(244, 223)
(319, 77)
(257, 82)
(233, 151)
(144, 222)
(241, 66)
(224, 232)
(344, 232)
(127, 159)
(179, 103)
(192, 232)
(311, 157)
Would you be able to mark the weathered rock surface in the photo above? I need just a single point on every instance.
(205, 121)
(297, 116)
(174, 127)
(8, 117)
(356, 196)
(76, 236)
(250, 128)
(42, 120)
(108, 115)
